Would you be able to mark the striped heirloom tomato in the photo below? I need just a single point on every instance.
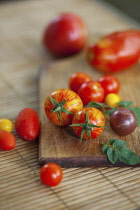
(61, 105)
(88, 123)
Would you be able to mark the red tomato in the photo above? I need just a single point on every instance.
(91, 91)
(115, 52)
(77, 79)
(27, 124)
(51, 174)
(65, 35)
(61, 105)
(110, 84)
(86, 120)
(7, 140)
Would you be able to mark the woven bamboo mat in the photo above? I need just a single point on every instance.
(21, 55)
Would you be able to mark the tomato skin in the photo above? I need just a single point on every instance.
(91, 91)
(115, 52)
(73, 103)
(112, 99)
(77, 79)
(51, 174)
(6, 124)
(27, 124)
(65, 35)
(95, 117)
(110, 84)
(7, 140)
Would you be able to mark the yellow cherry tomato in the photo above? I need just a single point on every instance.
(112, 99)
(6, 124)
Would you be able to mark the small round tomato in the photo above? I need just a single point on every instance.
(112, 99)
(91, 91)
(6, 124)
(123, 121)
(110, 84)
(7, 140)
(51, 174)
(65, 35)
(115, 52)
(61, 105)
(77, 79)
(88, 123)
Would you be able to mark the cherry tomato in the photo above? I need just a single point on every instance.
(65, 35)
(123, 121)
(110, 84)
(7, 140)
(91, 91)
(61, 105)
(77, 79)
(51, 174)
(112, 99)
(115, 52)
(85, 121)
(6, 124)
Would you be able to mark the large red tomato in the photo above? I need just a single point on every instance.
(115, 52)
(91, 91)
(77, 79)
(65, 35)
(61, 105)
(88, 123)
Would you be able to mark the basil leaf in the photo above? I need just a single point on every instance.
(125, 103)
(128, 157)
(119, 144)
(111, 141)
(104, 149)
(112, 155)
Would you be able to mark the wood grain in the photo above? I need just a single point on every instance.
(59, 144)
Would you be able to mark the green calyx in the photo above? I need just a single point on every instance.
(59, 107)
(86, 127)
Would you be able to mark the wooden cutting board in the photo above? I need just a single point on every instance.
(59, 144)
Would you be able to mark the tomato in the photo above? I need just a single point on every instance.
(51, 174)
(115, 52)
(7, 140)
(110, 84)
(91, 91)
(112, 99)
(65, 35)
(61, 105)
(6, 124)
(77, 79)
(123, 121)
(85, 121)
(27, 124)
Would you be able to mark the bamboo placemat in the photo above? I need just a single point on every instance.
(21, 55)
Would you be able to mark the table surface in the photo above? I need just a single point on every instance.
(21, 57)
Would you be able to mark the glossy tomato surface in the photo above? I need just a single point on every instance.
(91, 91)
(123, 121)
(115, 52)
(95, 117)
(27, 124)
(77, 79)
(65, 35)
(110, 84)
(67, 103)
(7, 140)
(51, 174)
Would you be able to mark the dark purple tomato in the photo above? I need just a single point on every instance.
(123, 121)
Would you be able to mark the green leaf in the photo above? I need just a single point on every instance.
(97, 105)
(125, 103)
(128, 157)
(104, 149)
(112, 155)
(119, 144)
(111, 141)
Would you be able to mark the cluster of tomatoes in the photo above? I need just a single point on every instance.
(67, 34)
